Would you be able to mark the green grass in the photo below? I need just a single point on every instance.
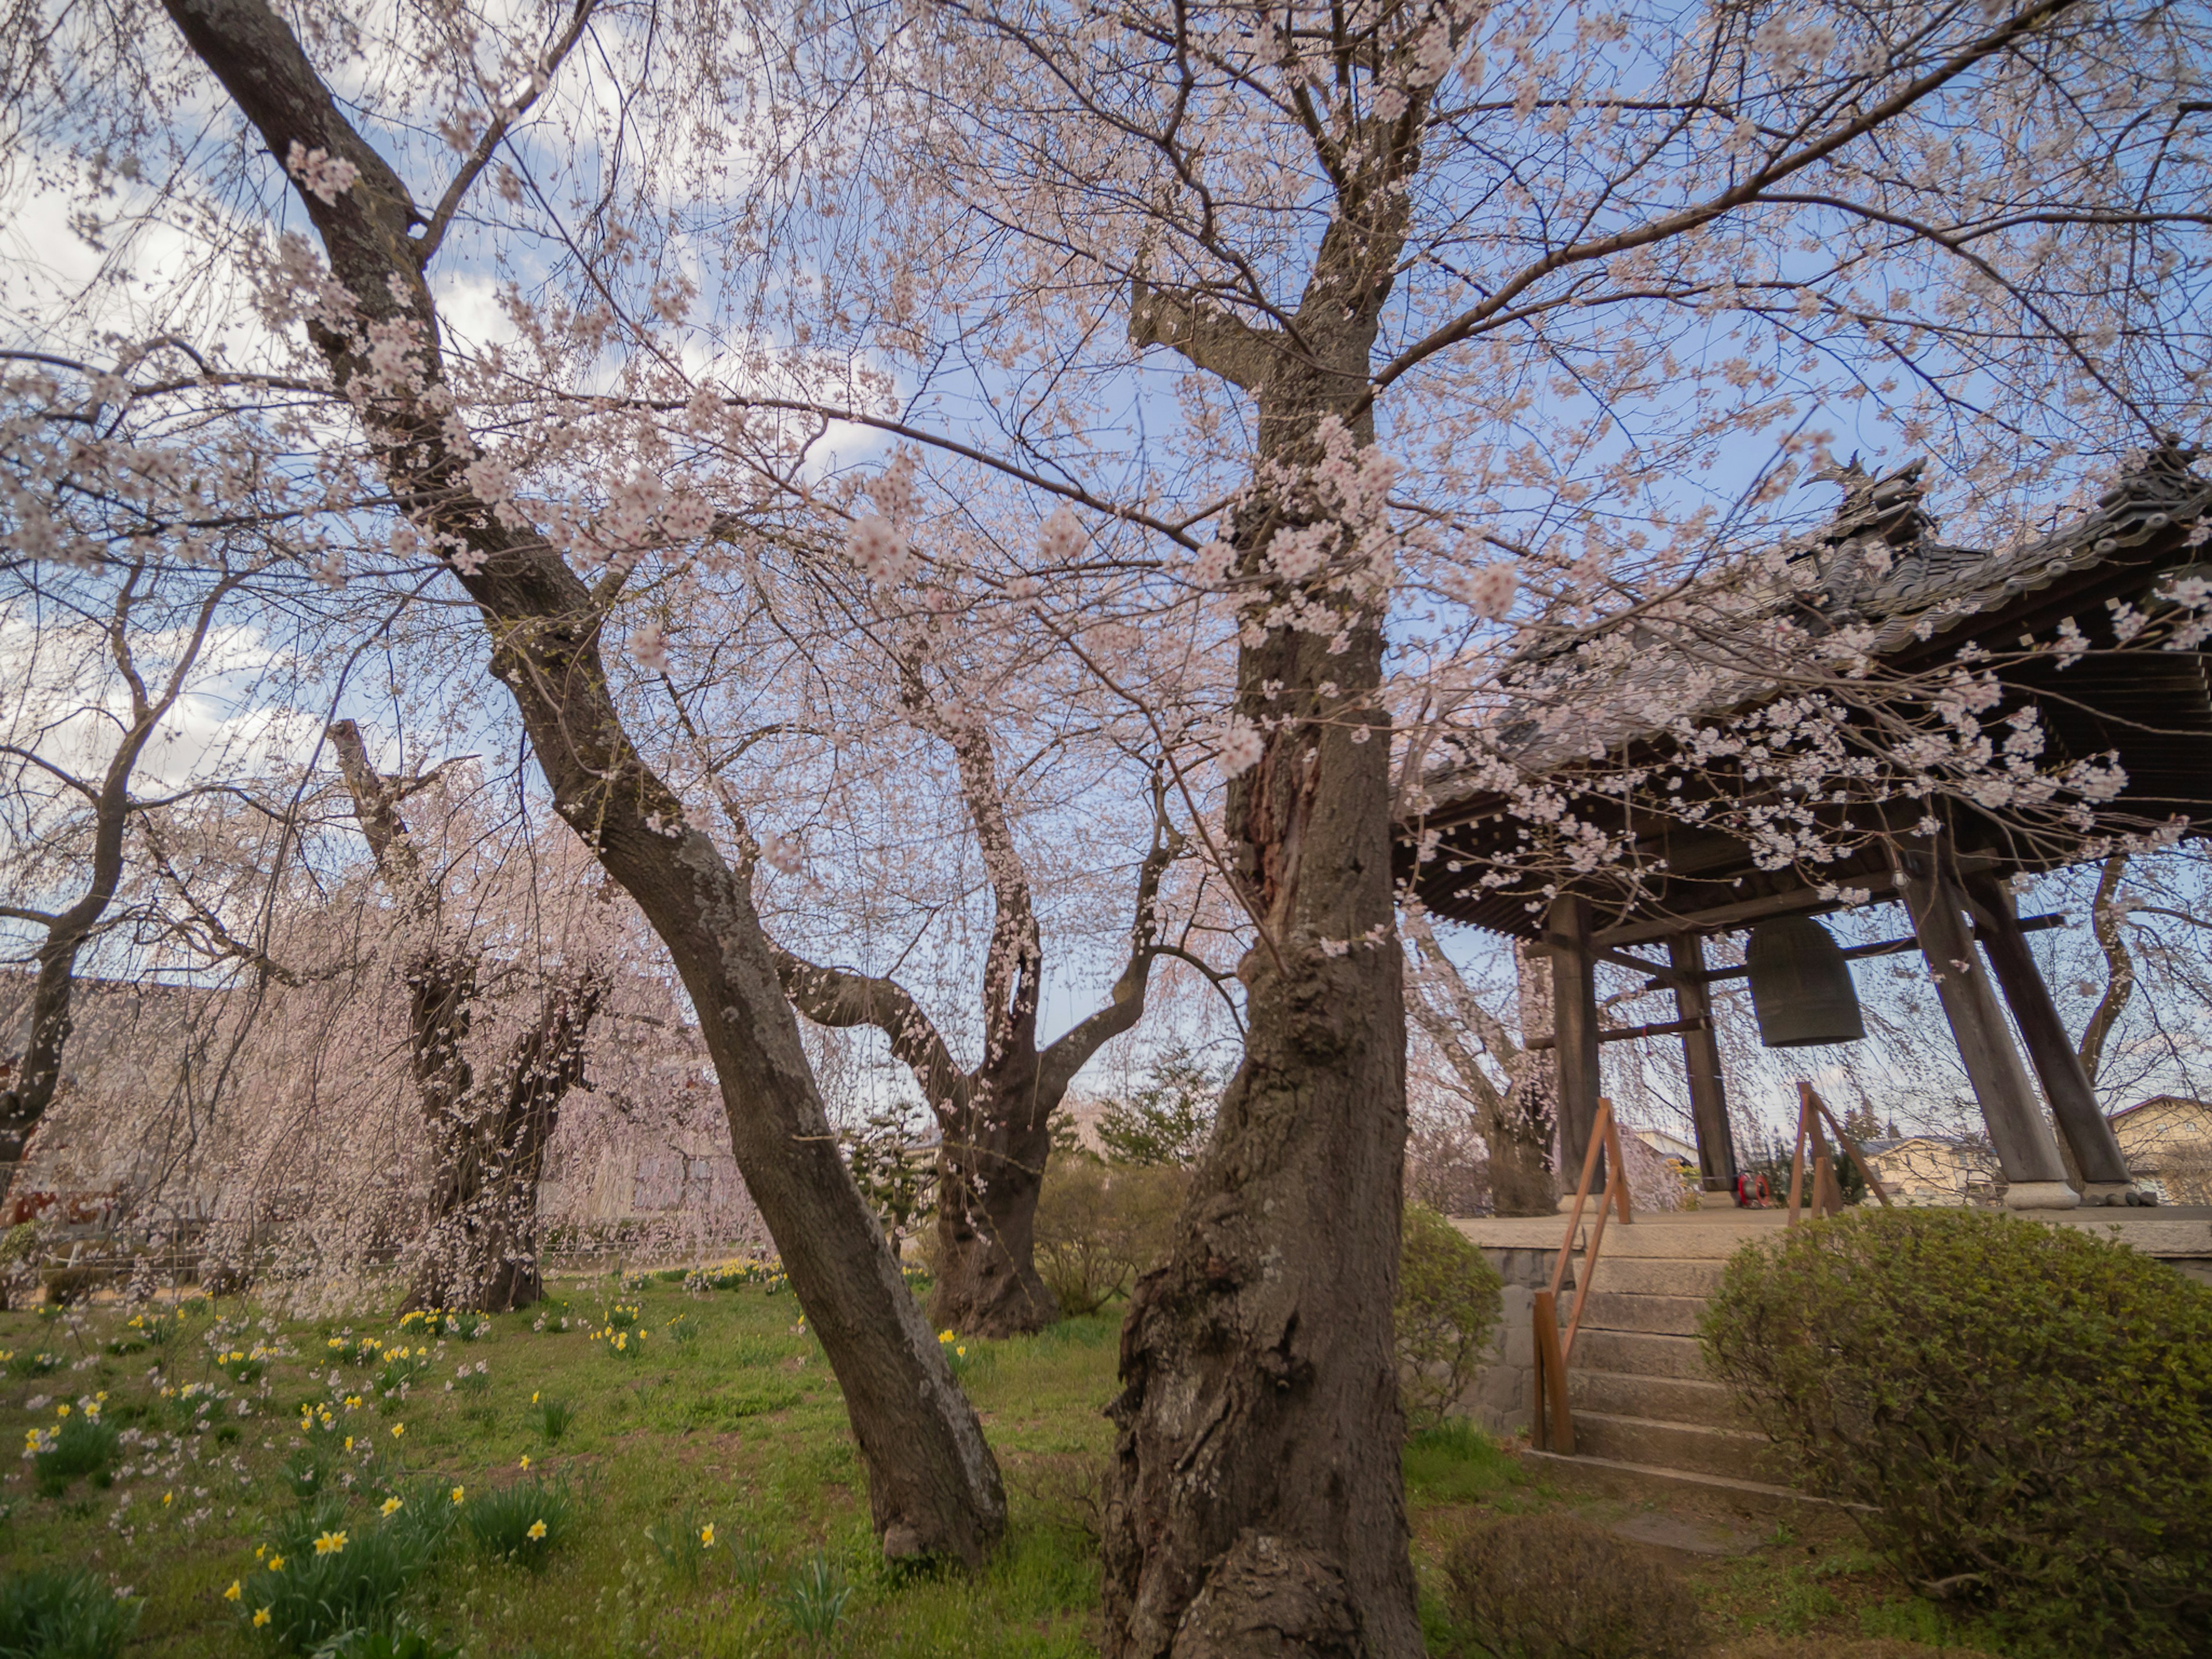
(735, 1423)
(737, 1426)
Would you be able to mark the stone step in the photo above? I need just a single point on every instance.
(1638, 1354)
(1690, 1446)
(1613, 1478)
(1659, 1399)
(1656, 1275)
(1628, 1310)
(1677, 1243)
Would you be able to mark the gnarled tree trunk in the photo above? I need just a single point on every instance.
(1255, 1504)
(990, 1172)
(480, 1249)
(994, 1121)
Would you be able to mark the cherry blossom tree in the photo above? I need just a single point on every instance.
(487, 1138)
(97, 662)
(374, 320)
(1481, 310)
(1403, 396)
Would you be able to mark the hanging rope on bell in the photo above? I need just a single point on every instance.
(1801, 986)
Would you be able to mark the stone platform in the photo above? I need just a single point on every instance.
(1647, 1414)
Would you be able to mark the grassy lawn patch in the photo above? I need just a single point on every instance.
(697, 1491)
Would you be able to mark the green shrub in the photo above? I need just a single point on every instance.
(1446, 1310)
(1098, 1227)
(2026, 1409)
(1550, 1587)
(79, 1445)
(526, 1521)
(52, 1614)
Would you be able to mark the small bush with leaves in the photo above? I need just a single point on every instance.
(1551, 1587)
(2025, 1410)
(526, 1521)
(1098, 1227)
(52, 1614)
(1447, 1310)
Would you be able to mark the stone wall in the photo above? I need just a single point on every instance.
(1501, 1402)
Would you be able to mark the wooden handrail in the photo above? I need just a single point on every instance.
(1554, 1353)
(1826, 1197)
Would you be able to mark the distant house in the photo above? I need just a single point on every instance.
(1670, 1145)
(2167, 1141)
(1933, 1170)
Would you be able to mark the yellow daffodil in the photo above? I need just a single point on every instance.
(349, 1443)
(61, 1410)
(525, 1459)
(260, 1551)
(235, 1590)
(398, 1429)
(392, 1506)
(166, 1499)
(457, 1492)
(260, 1617)
(945, 1336)
(330, 1543)
(533, 1397)
(275, 1563)
(707, 1535)
(536, 1530)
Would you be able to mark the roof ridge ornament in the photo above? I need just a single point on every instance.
(1883, 506)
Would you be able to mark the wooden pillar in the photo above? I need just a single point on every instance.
(1701, 1059)
(1574, 1030)
(2035, 1177)
(2066, 1085)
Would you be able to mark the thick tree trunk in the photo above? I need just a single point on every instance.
(1256, 1504)
(480, 1249)
(933, 1488)
(1522, 1178)
(989, 1176)
(1256, 1486)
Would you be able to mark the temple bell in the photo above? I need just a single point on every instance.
(1801, 986)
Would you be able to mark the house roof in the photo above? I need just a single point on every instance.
(1605, 722)
(2158, 1100)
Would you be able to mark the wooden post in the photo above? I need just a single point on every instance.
(2025, 1150)
(1701, 1060)
(2066, 1085)
(1574, 1023)
(1797, 1154)
(1805, 1098)
(1558, 1434)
